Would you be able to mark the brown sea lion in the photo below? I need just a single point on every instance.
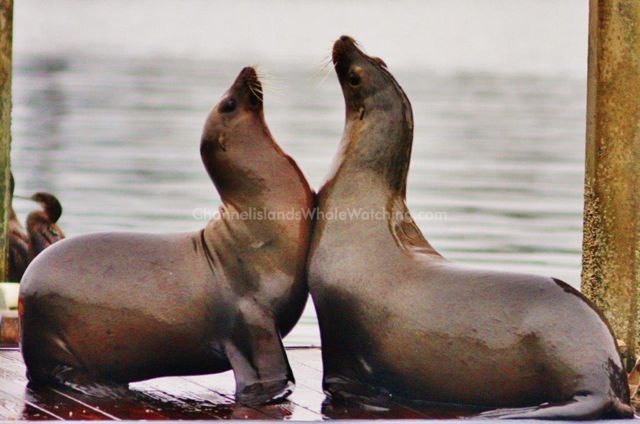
(120, 307)
(42, 224)
(18, 241)
(397, 319)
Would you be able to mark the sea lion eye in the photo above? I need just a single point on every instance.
(354, 79)
(228, 105)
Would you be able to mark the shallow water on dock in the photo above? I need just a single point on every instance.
(497, 167)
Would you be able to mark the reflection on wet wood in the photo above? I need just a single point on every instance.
(9, 328)
(205, 397)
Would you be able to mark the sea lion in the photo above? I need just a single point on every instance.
(42, 224)
(114, 308)
(397, 319)
(18, 241)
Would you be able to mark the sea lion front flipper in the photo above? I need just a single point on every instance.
(258, 359)
(581, 407)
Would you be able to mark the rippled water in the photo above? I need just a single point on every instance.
(115, 136)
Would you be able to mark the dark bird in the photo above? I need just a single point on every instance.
(41, 224)
(18, 242)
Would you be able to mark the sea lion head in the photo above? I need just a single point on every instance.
(366, 83)
(240, 106)
(235, 136)
(236, 146)
(379, 121)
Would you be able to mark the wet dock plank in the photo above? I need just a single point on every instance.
(206, 397)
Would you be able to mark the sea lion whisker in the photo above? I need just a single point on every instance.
(333, 68)
(276, 92)
(267, 83)
(324, 68)
(266, 77)
(252, 90)
(326, 61)
(319, 74)
(258, 91)
(324, 72)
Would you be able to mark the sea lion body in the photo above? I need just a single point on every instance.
(397, 319)
(144, 311)
(120, 307)
(167, 309)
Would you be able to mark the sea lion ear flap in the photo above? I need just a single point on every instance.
(379, 62)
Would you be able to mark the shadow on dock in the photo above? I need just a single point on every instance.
(207, 397)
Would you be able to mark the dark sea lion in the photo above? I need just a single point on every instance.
(120, 307)
(18, 241)
(42, 224)
(397, 319)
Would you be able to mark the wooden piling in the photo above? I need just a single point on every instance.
(6, 42)
(611, 243)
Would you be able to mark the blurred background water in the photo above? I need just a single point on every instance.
(110, 97)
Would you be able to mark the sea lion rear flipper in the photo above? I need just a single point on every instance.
(581, 407)
(258, 359)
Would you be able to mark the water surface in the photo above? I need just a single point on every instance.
(110, 99)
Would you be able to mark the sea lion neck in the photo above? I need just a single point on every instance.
(369, 175)
(250, 166)
(378, 130)
(237, 148)
(257, 182)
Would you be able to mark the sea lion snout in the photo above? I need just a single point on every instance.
(249, 88)
(364, 79)
(241, 103)
(344, 52)
(248, 74)
(346, 38)
(245, 93)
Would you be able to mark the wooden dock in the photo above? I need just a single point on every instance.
(208, 397)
